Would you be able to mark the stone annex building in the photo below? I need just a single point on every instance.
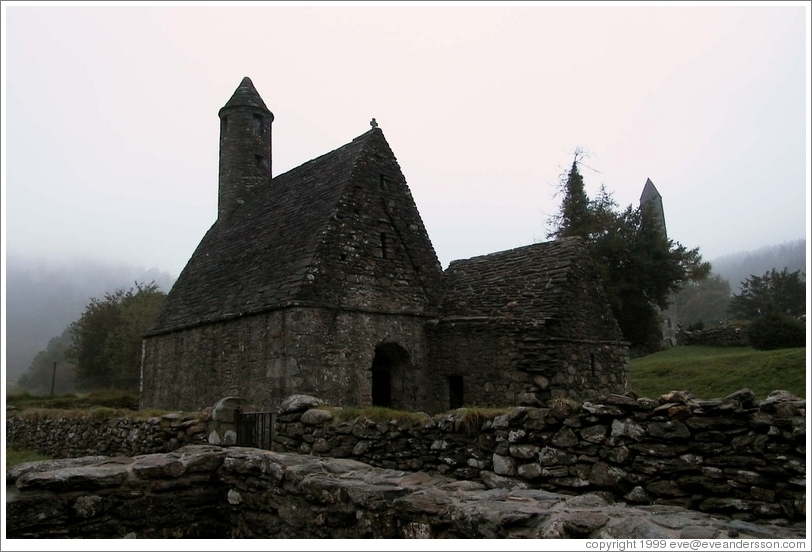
(323, 281)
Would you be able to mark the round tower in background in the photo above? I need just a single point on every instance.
(245, 147)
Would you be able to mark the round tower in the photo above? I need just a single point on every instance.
(245, 147)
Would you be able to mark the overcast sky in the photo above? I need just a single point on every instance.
(111, 127)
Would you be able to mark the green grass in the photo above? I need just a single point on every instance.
(106, 398)
(14, 457)
(714, 372)
(378, 414)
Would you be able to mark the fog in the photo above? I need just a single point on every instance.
(111, 128)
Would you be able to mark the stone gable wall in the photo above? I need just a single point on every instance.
(375, 253)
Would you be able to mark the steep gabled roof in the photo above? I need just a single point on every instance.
(527, 282)
(257, 259)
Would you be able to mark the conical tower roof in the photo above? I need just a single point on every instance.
(246, 96)
(649, 192)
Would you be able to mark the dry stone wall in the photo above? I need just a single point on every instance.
(72, 437)
(202, 491)
(722, 336)
(732, 456)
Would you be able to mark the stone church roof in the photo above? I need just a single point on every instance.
(258, 258)
(526, 282)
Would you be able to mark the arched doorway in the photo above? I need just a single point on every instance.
(387, 372)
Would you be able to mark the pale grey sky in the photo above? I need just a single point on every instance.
(111, 127)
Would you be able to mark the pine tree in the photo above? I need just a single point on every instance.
(639, 266)
(576, 217)
(775, 292)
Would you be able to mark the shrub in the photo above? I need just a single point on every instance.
(776, 331)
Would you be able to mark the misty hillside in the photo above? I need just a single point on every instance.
(738, 267)
(44, 297)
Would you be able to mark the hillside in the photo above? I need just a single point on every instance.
(44, 297)
(738, 267)
(715, 372)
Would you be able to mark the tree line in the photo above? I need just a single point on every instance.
(100, 350)
(644, 273)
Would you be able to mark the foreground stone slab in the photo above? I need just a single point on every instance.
(202, 491)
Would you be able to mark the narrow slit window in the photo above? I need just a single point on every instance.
(384, 245)
(260, 160)
(592, 363)
(384, 183)
(224, 125)
(259, 126)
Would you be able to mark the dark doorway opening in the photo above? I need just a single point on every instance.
(387, 366)
(455, 391)
(381, 385)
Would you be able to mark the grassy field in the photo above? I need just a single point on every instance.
(714, 372)
(127, 400)
(14, 457)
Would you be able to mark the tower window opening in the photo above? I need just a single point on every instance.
(259, 126)
(224, 125)
(384, 183)
(383, 245)
(260, 160)
(592, 363)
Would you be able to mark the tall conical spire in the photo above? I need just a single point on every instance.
(245, 147)
(651, 199)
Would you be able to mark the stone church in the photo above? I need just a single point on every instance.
(323, 281)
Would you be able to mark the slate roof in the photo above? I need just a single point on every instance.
(257, 259)
(527, 282)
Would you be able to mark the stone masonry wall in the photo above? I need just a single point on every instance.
(731, 456)
(509, 362)
(266, 357)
